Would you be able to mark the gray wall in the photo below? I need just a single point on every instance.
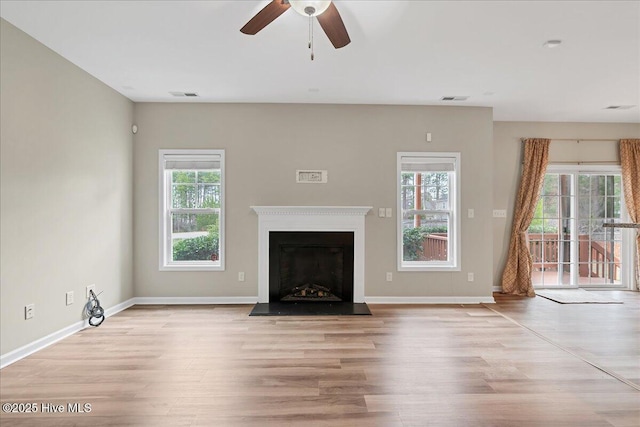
(264, 146)
(507, 163)
(66, 185)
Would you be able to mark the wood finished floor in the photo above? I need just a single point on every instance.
(404, 366)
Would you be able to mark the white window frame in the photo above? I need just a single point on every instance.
(165, 244)
(454, 262)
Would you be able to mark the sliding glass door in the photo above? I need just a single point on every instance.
(567, 239)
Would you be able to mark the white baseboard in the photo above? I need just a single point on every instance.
(37, 345)
(194, 300)
(430, 300)
(497, 289)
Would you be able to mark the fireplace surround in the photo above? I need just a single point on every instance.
(311, 219)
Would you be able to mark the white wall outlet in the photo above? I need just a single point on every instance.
(91, 287)
(29, 311)
(470, 277)
(389, 212)
(241, 276)
(69, 297)
(471, 213)
(381, 212)
(499, 213)
(428, 137)
(389, 276)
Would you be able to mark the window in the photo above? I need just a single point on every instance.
(428, 219)
(567, 240)
(192, 209)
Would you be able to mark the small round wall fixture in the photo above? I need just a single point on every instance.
(134, 129)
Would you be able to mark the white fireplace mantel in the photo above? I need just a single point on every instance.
(311, 218)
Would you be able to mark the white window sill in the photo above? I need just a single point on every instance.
(424, 268)
(191, 267)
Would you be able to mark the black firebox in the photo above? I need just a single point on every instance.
(310, 266)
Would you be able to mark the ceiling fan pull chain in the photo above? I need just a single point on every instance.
(311, 35)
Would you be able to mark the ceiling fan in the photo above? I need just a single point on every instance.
(324, 10)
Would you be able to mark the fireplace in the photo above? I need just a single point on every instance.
(308, 219)
(312, 266)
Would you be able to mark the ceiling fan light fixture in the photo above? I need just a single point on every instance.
(310, 7)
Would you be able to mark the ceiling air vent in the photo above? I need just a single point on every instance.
(184, 94)
(619, 107)
(454, 98)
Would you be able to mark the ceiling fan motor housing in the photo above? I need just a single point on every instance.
(310, 7)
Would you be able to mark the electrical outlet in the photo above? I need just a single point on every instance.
(91, 287)
(389, 212)
(381, 212)
(241, 276)
(69, 297)
(471, 213)
(29, 311)
(470, 277)
(389, 277)
(428, 137)
(499, 213)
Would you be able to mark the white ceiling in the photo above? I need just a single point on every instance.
(402, 52)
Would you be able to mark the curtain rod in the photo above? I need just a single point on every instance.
(595, 162)
(578, 139)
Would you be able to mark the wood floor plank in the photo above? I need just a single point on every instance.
(417, 365)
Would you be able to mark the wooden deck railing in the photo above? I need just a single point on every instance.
(544, 250)
(435, 247)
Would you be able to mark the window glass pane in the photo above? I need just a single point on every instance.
(584, 185)
(195, 237)
(550, 185)
(208, 177)
(550, 207)
(183, 177)
(208, 196)
(617, 185)
(550, 227)
(183, 196)
(425, 237)
(598, 207)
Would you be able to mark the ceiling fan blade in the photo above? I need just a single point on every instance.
(332, 24)
(267, 15)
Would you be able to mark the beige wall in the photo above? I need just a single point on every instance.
(66, 179)
(507, 161)
(264, 146)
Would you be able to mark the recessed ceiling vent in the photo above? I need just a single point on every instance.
(619, 107)
(454, 98)
(183, 94)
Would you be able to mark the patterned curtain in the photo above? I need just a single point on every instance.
(516, 278)
(630, 160)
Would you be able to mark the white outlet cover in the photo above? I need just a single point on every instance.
(499, 213)
(91, 287)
